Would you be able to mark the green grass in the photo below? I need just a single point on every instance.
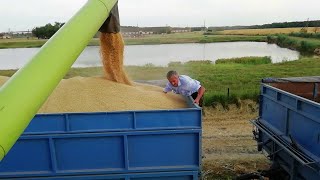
(306, 35)
(178, 38)
(8, 73)
(245, 60)
(242, 80)
(303, 45)
(20, 43)
(231, 38)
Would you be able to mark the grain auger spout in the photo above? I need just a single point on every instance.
(24, 93)
(112, 24)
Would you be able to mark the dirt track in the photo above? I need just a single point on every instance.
(227, 144)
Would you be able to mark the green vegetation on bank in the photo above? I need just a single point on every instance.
(232, 38)
(242, 80)
(21, 43)
(306, 35)
(245, 60)
(192, 37)
(303, 45)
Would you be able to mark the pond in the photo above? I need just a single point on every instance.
(161, 55)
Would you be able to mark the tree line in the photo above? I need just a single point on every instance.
(47, 31)
(315, 23)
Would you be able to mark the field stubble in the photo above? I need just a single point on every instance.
(227, 143)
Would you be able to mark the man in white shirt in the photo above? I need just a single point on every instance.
(182, 84)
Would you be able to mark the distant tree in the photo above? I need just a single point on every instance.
(47, 31)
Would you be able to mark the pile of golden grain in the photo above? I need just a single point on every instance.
(93, 94)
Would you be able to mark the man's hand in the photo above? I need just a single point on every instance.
(201, 91)
(196, 101)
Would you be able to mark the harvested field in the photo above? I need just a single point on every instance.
(227, 144)
(264, 31)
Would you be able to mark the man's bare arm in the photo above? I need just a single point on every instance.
(201, 91)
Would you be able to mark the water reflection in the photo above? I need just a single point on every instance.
(162, 54)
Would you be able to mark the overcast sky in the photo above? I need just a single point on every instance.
(19, 15)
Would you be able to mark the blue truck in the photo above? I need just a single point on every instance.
(156, 144)
(288, 126)
(128, 145)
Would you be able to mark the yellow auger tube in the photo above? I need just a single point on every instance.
(25, 92)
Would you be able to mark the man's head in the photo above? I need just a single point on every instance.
(173, 78)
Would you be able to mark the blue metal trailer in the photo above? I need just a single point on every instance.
(156, 144)
(288, 126)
